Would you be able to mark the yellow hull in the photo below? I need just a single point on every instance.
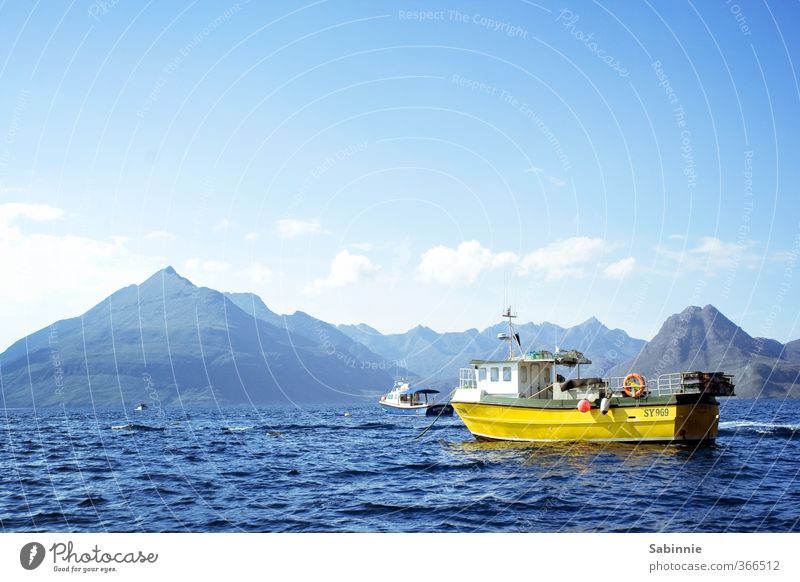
(674, 423)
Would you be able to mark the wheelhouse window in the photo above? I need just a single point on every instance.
(523, 374)
(507, 374)
(482, 374)
(495, 374)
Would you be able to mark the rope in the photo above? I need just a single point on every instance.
(444, 407)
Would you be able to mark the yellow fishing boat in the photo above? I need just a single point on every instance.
(524, 398)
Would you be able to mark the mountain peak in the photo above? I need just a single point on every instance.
(367, 329)
(708, 308)
(166, 281)
(423, 332)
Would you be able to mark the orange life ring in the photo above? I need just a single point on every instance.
(634, 385)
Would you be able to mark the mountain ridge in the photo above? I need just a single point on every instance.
(702, 338)
(199, 345)
(173, 342)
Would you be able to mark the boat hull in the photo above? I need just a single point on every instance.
(665, 420)
(427, 410)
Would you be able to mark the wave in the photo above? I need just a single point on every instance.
(92, 500)
(237, 428)
(133, 426)
(762, 428)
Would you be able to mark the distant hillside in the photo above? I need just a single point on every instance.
(327, 337)
(436, 357)
(704, 339)
(171, 341)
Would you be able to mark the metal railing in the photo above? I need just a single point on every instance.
(664, 385)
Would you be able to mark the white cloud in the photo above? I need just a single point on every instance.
(533, 170)
(620, 269)
(363, 247)
(160, 235)
(463, 264)
(223, 224)
(258, 274)
(564, 258)
(292, 228)
(196, 267)
(558, 183)
(346, 268)
(251, 236)
(13, 211)
(52, 276)
(710, 255)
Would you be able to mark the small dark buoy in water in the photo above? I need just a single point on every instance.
(274, 433)
(294, 472)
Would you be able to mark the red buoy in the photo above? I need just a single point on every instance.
(584, 405)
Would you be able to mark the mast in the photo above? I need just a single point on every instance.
(511, 336)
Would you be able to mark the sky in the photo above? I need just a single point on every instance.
(405, 163)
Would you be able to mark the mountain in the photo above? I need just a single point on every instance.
(172, 342)
(704, 339)
(328, 337)
(436, 357)
(167, 341)
(792, 350)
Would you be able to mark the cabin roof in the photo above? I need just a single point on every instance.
(508, 362)
(563, 358)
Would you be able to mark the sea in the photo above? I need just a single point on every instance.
(356, 469)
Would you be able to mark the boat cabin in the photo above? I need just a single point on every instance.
(532, 375)
(520, 377)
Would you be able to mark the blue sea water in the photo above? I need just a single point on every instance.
(313, 469)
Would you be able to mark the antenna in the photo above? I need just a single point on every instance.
(510, 337)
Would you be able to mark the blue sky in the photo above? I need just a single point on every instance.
(400, 163)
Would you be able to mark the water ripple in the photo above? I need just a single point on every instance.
(314, 470)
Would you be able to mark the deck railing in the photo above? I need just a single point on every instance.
(666, 384)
